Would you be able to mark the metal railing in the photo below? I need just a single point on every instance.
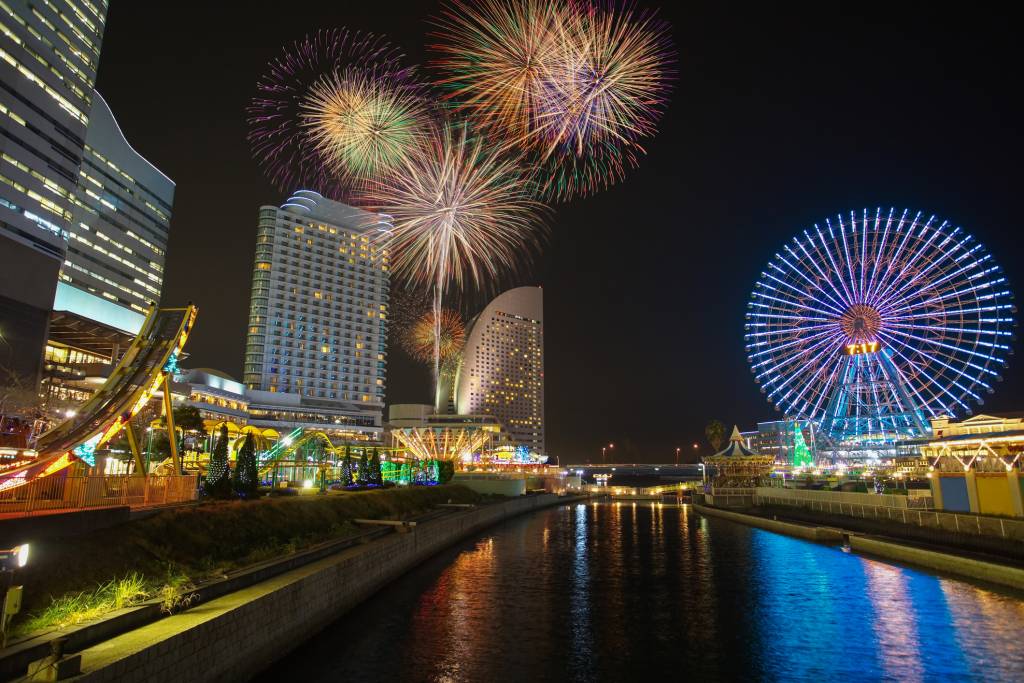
(846, 498)
(56, 493)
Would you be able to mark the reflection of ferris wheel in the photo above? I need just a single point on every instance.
(870, 324)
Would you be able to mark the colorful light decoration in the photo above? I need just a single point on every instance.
(418, 339)
(922, 303)
(447, 443)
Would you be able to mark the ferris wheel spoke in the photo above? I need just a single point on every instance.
(775, 349)
(932, 284)
(839, 307)
(846, 252)
(894, 258)
(958, 370)
(836, 269)
(879, 250)
(913, 260)
(788, 360)
(932, 382)
(912, 296)
(791, 302)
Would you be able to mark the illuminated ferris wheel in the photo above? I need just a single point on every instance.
(870, 324)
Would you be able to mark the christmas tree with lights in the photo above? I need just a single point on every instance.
(218, 473)
(245, 481)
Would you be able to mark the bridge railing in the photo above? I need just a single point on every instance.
(58, 494)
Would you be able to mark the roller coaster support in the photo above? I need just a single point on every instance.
(172, 434)
(133, 443)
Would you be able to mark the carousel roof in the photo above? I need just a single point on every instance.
(735, 449)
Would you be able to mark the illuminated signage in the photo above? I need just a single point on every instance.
(863, 347)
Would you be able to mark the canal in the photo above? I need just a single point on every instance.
(634, 591)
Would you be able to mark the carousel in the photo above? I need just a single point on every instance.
(739, 467)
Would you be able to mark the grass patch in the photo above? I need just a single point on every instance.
(72, 580)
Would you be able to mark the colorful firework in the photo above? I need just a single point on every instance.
(576, 85)
(366, 122)
(279, 140)
(420, 338)
(462, 212)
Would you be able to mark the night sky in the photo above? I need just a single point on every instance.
(781, 115)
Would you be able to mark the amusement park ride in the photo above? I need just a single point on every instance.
(144, 369)
(870, 326)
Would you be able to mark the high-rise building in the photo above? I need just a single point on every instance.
(502, 371)
(48, 60)
(318, 314)
(117, 243)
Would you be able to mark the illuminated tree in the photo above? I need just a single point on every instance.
(218, 475)
(364, 469)
(375, 476)
(346, 467)
(245, 481)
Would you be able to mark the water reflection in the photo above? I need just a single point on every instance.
(628, 592)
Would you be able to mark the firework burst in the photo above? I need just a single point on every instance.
(575, 84)
(277, 134)
(461, 213)
(365, 122)
(419, 339)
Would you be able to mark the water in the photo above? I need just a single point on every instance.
(624, 591)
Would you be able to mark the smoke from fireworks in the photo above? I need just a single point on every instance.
(419, 339)
(277, 134)
(575, 84)
(366, 123)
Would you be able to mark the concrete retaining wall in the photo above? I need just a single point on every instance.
(18, 530)
(809, 533)
(236, 636)
(952, 564)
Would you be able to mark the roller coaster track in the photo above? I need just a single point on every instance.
(143, 369)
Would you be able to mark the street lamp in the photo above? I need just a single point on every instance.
(603, 449)
(677, 457)
(10, 560)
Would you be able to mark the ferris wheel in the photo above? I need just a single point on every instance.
(870, 324)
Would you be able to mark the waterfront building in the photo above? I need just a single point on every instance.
(223, 400)
(318, 313)
(113, 268)
(47, 74)
(502, 370)
(975, 464)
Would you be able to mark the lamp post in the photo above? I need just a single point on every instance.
(603, 449)
(149, 446)
(677, 456)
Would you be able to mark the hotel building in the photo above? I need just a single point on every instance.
(502, 371)
(48, 60)
(318, 313)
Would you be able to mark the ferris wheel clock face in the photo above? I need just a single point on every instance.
(870, 323)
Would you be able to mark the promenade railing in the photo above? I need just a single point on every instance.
(56, 493)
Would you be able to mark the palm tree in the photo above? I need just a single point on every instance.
(715, 434)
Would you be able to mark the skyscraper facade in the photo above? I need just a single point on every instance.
(117, 243)
(318, 313)
(502, 371)
(48, 60)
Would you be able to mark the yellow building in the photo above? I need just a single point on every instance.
(974, 464)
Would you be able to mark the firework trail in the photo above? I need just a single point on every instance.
(419, 338)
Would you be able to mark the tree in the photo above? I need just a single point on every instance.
(346, 467)
(364, 468)
(218, 474)
(375, 476)
(245, 481)
(445, 471)
(715, 434)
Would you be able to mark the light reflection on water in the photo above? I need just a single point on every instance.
(624, 591)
